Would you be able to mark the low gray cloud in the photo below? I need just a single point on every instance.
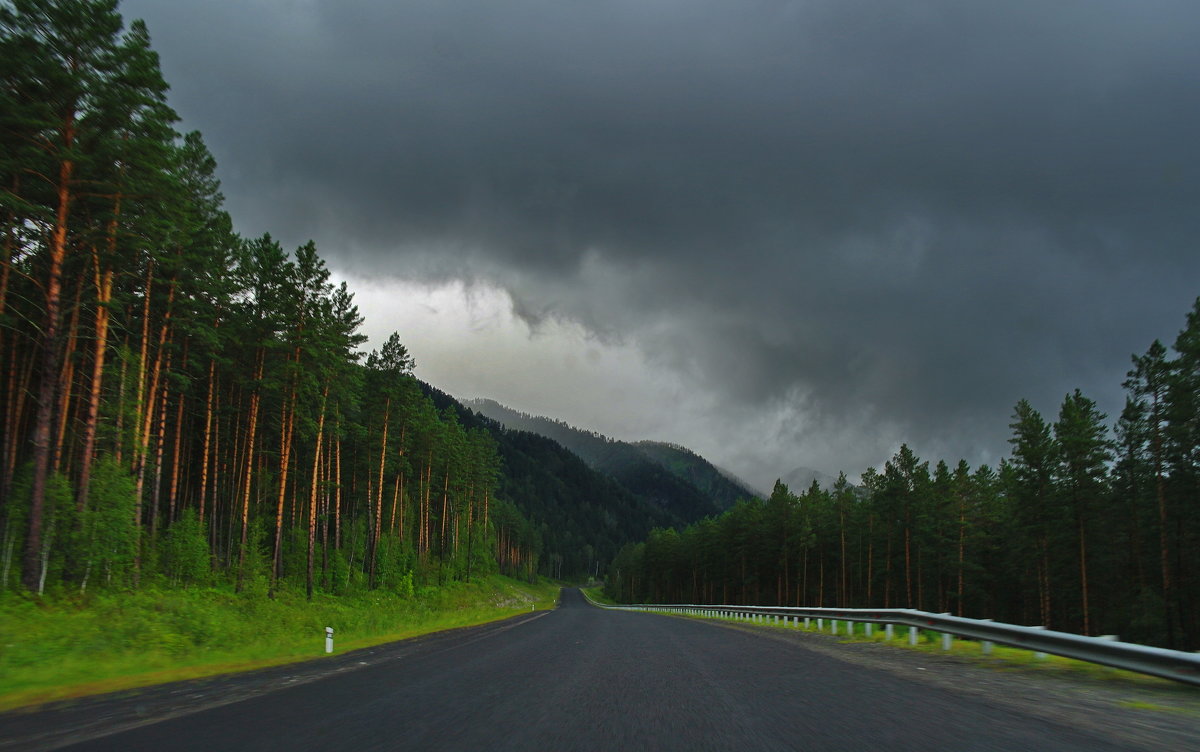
(895, 218)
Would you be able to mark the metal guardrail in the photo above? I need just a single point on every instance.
(1107, 651)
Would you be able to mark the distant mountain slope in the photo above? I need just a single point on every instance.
(714, 482)
(674, 477)
(582, 516)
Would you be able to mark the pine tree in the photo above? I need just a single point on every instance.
(1081, 475)
(1033, 458)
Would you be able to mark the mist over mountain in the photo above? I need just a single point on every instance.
(721, 485)
(668, 474)
(800, 478)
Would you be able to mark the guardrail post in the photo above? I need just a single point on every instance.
(947, 641)
(820, 625)
(807, 623)
(889, 632)
(912, 635)
(868, 628)
(985, 647)
(1037, 653)
(834, 625)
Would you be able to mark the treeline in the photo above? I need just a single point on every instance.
(178, 402)
(1082, 529)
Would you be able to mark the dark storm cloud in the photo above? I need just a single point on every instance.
(912, 213)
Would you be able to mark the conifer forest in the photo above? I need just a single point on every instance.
(181, 403)
(1090, 526)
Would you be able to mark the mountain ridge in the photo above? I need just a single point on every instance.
(669, 473)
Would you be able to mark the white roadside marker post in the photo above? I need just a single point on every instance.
(328, 639)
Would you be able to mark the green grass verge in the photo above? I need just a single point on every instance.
(597, 594)
(65, 648)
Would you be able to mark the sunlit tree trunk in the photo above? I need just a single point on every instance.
(103, 280)
(208, 436)
(31, 568)
(66, 382)
(312, 497)
(250, 435)
(173, 491)
(159, 451)
(287, 423)
(337, 492)
(146, 403)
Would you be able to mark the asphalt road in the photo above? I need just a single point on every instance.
(577, 678)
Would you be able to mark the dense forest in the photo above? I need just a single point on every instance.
(182, 403)
(1082, 528)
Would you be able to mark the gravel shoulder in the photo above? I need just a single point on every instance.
(1148, 714)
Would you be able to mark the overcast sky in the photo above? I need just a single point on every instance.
(781, 233)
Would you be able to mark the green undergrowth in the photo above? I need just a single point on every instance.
(1002, 658)
(52, 649)
(597, 595)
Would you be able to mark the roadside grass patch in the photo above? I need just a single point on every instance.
(66, 647)
(1155, 707)
(597, 594)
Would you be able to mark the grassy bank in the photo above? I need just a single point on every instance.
(60, 648)
(597, 595)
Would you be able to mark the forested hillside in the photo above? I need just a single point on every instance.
(578, 517)
(181, 404)
(1082, 529)
(718, 485)
(678, 480)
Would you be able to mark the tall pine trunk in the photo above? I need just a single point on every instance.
(312, 497)
(31, 569)
(287, 425)
(248, 477)
(103, 282)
